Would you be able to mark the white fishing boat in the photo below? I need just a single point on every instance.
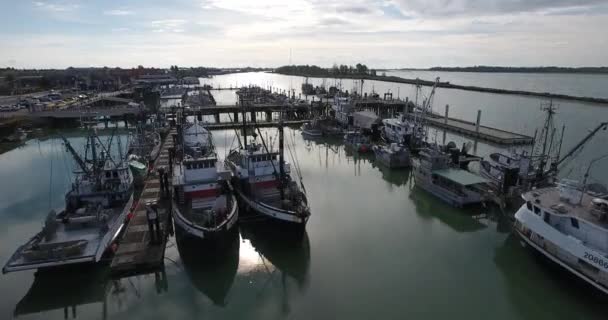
(204, 206)
(262, 180)
(96, 208)
(517, 172)
(397, 130)
(568, 224)
(393, 155)
(434, 173)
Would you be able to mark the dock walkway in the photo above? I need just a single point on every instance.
(135, 252)
(489, 134)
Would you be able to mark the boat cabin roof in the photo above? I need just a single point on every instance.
(459, 176)
(593, 208)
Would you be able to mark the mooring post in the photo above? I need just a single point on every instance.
(477, 123)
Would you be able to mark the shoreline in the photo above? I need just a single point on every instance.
(448, 85)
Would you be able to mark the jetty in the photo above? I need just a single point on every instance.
(475, 129)
(136, 251)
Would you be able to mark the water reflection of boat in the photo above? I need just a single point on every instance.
(66, 289)
(213, 272)
(288, 253)
(526, 280)
(395, 177)
(427, 206)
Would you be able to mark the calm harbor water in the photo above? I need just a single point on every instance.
(376, 246)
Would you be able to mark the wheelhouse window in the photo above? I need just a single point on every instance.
(537, 210)
(574, 222)
(528, 204)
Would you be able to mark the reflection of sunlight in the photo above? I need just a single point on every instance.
(250, 260)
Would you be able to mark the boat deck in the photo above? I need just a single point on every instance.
(551, 197)
(66, 235)
(135, 252)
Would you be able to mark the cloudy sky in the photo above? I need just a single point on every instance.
(380, 33)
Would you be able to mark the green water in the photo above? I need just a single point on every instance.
(375, 247)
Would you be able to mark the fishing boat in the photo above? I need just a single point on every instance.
(145, 143)
(512, 174)
(393, 155)
(568, 225)
(343, 109)
(434, 173)
(205, 206)
(357, 141)
(137, 166)
(312, 129)
(263, 182)
(96, 209)
(397, 130)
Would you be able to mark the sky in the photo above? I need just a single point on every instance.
(270, 33)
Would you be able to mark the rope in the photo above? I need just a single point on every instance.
(51, 178)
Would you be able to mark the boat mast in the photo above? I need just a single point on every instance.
(243, 115)
(93, 150)
(78, 159)
(545, 133)
(281, 158)
(601, 126)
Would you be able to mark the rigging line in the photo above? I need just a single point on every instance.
(51, 178)
(296, 160)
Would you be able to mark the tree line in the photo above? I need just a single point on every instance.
(335, 70)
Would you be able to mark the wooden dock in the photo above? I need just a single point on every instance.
(261, 124)
(136, 253)
(485, 133)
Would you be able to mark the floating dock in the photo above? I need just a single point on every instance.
(136, 253)
(478, 131)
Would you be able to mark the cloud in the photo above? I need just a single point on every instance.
(118, 12)
(333, 21)
(168, 25)
(60, 6)
(474, 7)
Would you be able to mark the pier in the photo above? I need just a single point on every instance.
(136, 252)
(476, 130)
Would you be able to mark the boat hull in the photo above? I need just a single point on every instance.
(285, 217)
(195, 231)
(565, 251)
(393, 161)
